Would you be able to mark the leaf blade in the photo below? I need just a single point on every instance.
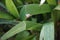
(33, 26)
(47, 31)
(34, 9)
(16, 29)
(12, 8)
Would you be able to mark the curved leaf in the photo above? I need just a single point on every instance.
(47, 32)
(16, 29)
(11, 8)
(21, 27)
(33, 26)
(34, 9)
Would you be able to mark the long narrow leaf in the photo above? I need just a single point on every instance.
(47, 32)
(34, 9)
(21, 27)
(12, 8)
(16, 29)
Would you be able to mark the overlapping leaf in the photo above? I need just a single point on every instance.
(21, 27)
(12, 8)
(16, 29)
(34, 9)
(22, 35)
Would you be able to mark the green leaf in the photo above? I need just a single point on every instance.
(52, 2)
(34, 9)
(56, 13)
(22, 35)
(25, 36)
(42, 34)
(33, 26)
(31, 37)
(5, 15)
(47, 32)
(57, 8)
(19, 2)
(21, 27)
(28, 1)
(16, 29)
(12, 8)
